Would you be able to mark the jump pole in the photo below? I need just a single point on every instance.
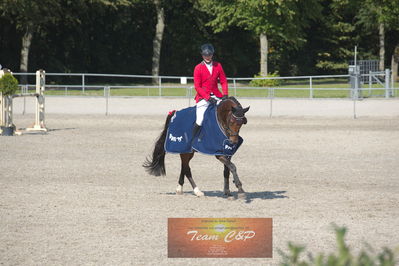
(40, 87)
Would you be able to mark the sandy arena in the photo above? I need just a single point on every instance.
(78, 194)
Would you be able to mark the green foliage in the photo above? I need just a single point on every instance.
(330, 65)
(335, 49)
(374, 12)
(8, 84)
(115, 36)
(342, 256)
(281, 19)
(266, 82)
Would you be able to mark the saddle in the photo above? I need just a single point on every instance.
(210, 140)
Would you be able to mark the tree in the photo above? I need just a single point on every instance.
(157, 42)
(30, 16)
(335, 36)
(390, 15)
(381, 16)
(269, 20)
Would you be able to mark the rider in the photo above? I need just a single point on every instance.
(206, 77)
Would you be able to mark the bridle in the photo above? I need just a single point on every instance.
(234, 119)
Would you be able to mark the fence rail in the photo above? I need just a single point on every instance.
(315, 86)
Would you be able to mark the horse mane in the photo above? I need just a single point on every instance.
(232, 98)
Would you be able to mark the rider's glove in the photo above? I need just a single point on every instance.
(212, 100)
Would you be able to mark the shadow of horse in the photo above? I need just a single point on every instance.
(249, 196)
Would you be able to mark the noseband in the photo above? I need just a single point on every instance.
(234, 119)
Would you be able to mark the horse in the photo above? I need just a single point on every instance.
(231, 116)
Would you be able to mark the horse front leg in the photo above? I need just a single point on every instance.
(233, 169)
(226, 174)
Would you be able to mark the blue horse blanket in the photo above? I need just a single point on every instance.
(210, 140)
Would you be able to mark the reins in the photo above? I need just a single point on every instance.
(227, 129)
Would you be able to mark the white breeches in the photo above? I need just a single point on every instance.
(201, 108)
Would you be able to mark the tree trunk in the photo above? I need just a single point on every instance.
(157, 43)
(381, 33)
(26, 42)
(263, 54)
(395, 63)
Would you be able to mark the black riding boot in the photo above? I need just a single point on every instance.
(196, 129)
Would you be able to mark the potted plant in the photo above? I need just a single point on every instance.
(8, 86)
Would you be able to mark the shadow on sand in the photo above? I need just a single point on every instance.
(249, 196)
(24, 131)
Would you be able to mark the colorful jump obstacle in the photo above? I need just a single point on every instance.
(6, 102)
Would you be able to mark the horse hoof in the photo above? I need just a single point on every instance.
(228, 194)
(241, 195)
(179, 190)
(198, 192)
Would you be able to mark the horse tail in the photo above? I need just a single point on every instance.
(155, 165)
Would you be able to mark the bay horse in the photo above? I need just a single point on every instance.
(231, 117)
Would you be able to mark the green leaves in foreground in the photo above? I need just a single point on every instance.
(342, 257)
(8, 84)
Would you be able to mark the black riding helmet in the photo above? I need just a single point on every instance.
(207, 49)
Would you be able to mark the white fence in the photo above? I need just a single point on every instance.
(292, 87)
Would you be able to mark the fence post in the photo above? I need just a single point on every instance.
(311, 87)
(387, 90)
(392, 85)
(107, 92)
(271, 95)
(355, 96)
(160, 86)
(189, 95)
(235, 87)
(83, 83)
(24, 90)
(370, 83)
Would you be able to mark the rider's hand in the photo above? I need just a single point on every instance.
(212, 100)
(225, 97)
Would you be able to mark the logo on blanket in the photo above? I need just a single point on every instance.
(227, 147)
(174, 139)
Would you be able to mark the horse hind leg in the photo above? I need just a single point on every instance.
(185, 159)
(179, 188)
(196, 190)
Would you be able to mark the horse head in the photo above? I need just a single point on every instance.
(231, 116)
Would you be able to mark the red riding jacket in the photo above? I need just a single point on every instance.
(205, 83)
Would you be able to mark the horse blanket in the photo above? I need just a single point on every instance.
(210, 140)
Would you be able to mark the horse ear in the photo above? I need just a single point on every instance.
(246, 109)
(233, 109)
